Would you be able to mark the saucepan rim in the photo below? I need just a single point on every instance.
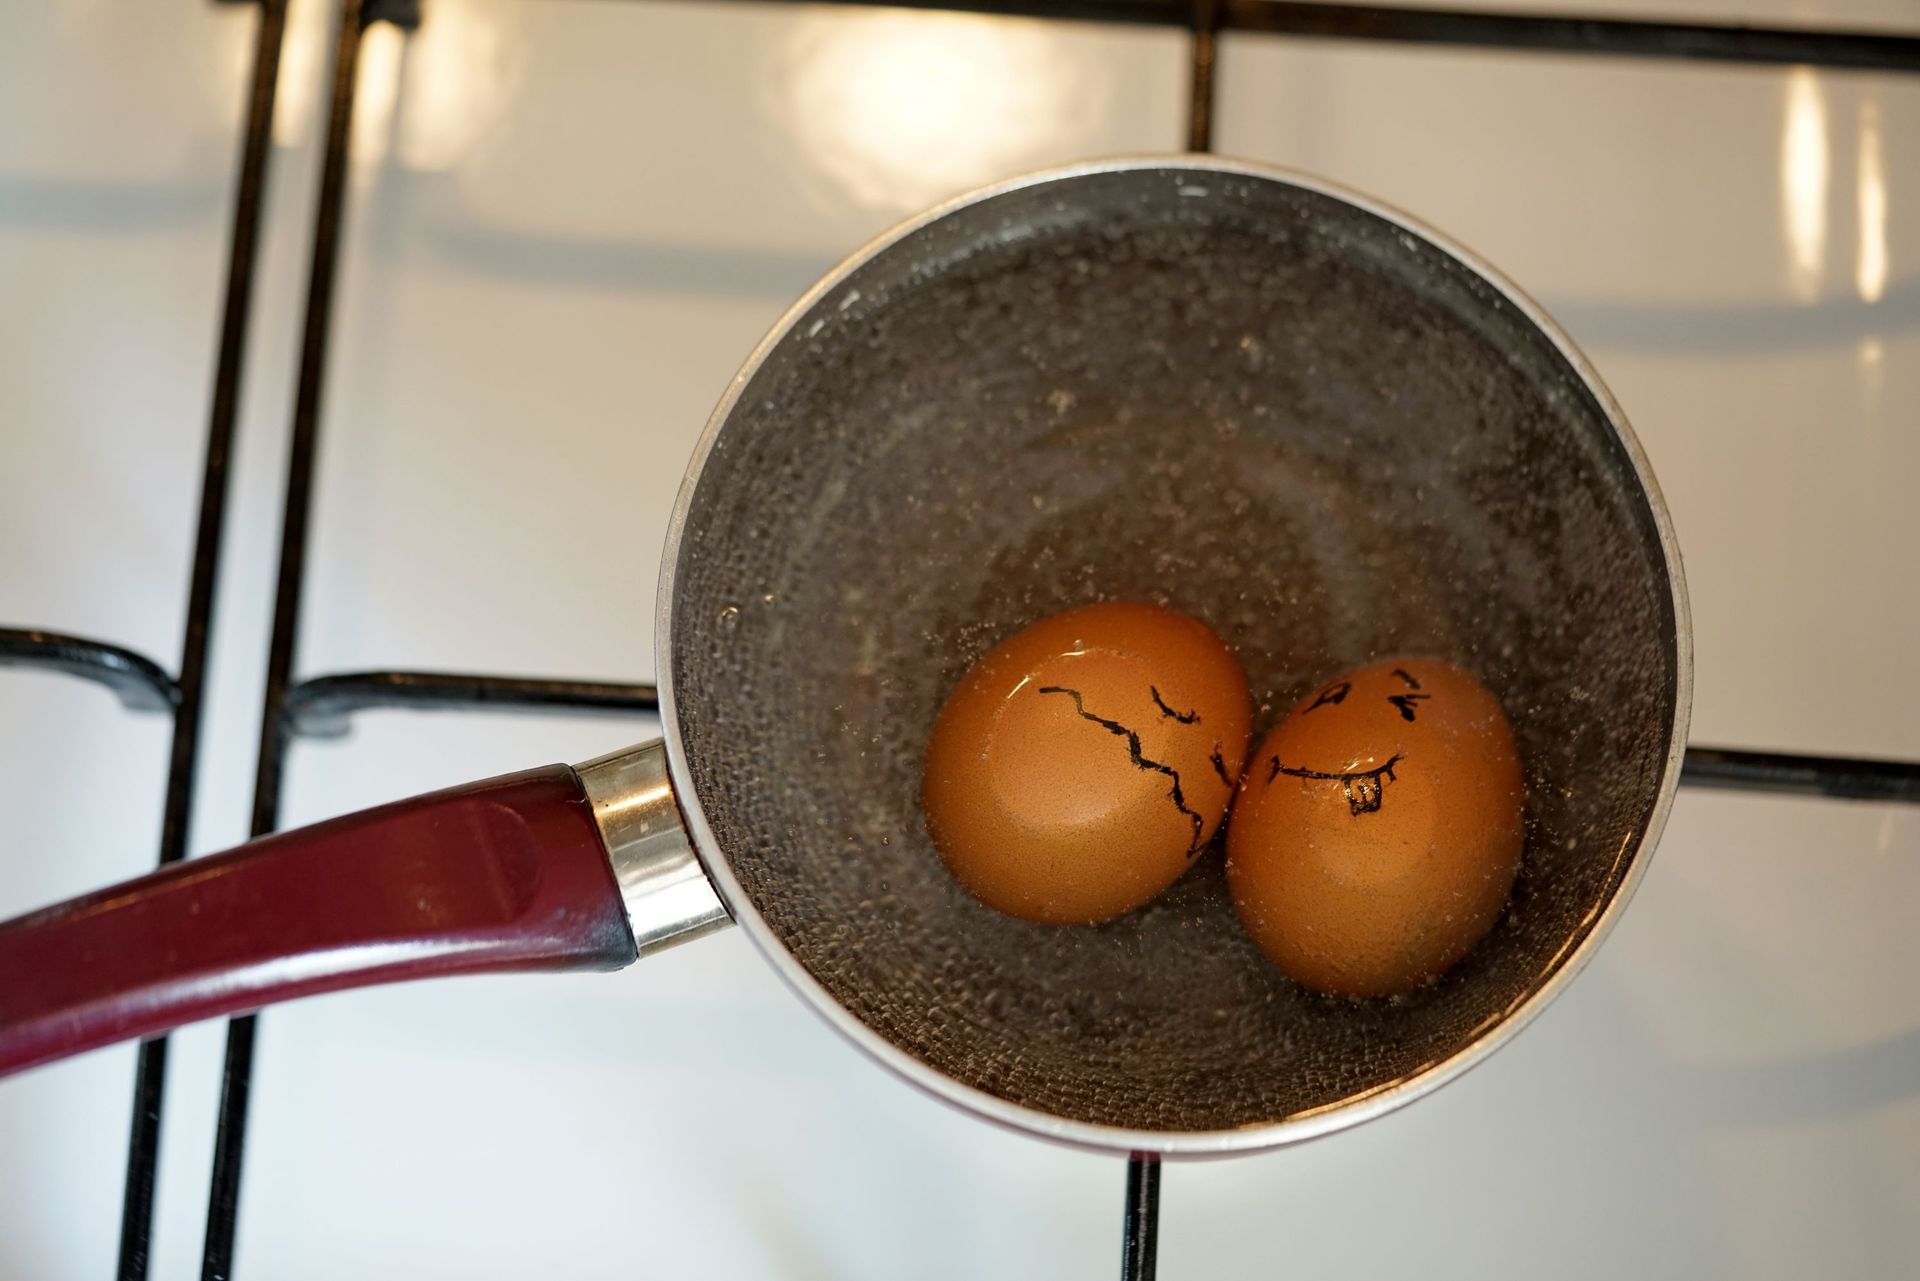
(1347, 1112)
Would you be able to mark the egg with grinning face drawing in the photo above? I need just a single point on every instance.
(1378, 828)
(1084, 763)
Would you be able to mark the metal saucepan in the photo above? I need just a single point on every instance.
(1248, 395)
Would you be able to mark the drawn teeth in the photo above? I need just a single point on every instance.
(1363, 794)
(1364, 791)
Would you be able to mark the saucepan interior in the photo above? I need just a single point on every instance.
(1233, 392)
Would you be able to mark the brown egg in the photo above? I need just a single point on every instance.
(1378, 829)
(1084, 763)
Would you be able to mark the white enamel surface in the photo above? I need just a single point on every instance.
(570, 223)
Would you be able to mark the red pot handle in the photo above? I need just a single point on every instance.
(509, 874)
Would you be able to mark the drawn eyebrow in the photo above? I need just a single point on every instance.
(1190, 718)
(1401, 672)
(1332, 694)
(1405, 703)
(1364, 788)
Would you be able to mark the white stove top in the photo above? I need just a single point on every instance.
(567, 226)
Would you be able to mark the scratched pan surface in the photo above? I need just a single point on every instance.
(1232, 393)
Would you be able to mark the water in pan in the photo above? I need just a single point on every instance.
(1259, 406)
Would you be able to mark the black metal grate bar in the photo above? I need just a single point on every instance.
(1140, 1226)
(1539, 33)
(140, 683)
(216, 1263)
(1840, 777)
(322, 707)
(143, 1142)
(1200, 84)
(1769, 46)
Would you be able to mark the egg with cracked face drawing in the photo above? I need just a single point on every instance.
(1378, 828)
(1084, 763)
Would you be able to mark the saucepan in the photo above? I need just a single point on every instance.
(1272, 404)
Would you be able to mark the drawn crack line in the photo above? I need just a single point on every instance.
(1364, 788)
(1133, 749)
(1403, 674)
(1191, 718)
